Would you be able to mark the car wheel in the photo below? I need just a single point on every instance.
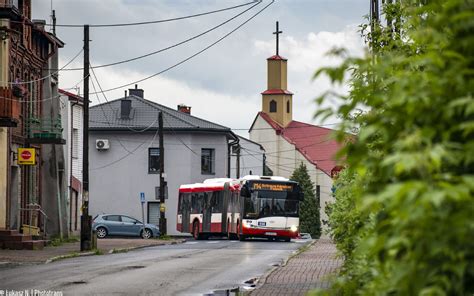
(146, 234)
(101, 232)
(287, 239)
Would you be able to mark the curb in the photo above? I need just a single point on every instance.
(112, 251)
(124, 250)
(261, 281)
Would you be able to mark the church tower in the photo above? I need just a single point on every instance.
(277, 101)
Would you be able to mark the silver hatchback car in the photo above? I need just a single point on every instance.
(108, 225)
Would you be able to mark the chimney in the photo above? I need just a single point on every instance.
(136, 91)
(39, 24)
(184, 109)
(125, 108)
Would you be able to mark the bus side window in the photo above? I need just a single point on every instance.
(216, 201)
(180, 203)
(195, 204)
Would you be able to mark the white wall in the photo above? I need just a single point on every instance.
(117, 176)
(74, 111)
(283, 158)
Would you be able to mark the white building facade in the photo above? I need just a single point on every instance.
(72, 115)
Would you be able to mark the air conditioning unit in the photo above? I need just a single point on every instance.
(102, 144)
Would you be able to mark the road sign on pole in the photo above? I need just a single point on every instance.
(142, 197)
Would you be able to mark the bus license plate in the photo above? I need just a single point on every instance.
(262, 223)
(270, 233)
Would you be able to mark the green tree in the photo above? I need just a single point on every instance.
(409, 195)
(309, 208)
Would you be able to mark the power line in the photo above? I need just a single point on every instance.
(171, 46)
(146, 22)
(45, 77)
(193, 55)
(46, 99)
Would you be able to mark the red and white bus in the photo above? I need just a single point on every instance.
(209, 208)
(270, 208)
(253, 206)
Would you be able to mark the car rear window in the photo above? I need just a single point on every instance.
(115, 218)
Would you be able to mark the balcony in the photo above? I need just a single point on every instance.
(45, 131)
(10, 108)
(9, 9)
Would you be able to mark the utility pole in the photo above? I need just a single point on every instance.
(237, 173)
(162, 176)
(86, 220)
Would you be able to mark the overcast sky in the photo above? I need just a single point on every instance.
(223, 84)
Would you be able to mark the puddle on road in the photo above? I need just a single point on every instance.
(248, 286)
(229, 292)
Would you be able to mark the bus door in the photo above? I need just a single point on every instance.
(206, 212)
(186, 212)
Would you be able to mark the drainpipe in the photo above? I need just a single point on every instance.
(229, 150)
(58, 194)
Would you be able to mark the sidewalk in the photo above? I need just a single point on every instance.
(105, 246)
(302, 273)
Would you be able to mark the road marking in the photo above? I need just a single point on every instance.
(213, 242)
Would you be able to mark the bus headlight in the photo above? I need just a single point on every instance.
(294, 228)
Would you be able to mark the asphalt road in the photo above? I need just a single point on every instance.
(192, 268)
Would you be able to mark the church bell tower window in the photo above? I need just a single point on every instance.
(273, 106)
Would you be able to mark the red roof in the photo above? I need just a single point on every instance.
(71, 95)
(277, 92)
(313, 141)
(277, 57)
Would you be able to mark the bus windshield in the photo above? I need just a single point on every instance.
(270, 203)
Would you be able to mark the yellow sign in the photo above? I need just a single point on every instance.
(162, 208)
(27, 156)
(271, 187)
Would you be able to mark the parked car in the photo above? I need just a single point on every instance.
(108, 225)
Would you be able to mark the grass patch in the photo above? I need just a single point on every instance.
(117, 251)
(98, 252)
(165, 237)
(57, 241)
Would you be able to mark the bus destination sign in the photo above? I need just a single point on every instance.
(272, 186)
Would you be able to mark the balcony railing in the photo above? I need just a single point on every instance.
(10, 108)
(45, 131)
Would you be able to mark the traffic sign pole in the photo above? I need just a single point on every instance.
(142, 201)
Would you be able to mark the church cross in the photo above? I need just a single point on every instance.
(277, 39)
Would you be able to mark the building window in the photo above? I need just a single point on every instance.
(288, 106)
(273, 106)
(153, 160)
(75, 143)
(207, 161)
